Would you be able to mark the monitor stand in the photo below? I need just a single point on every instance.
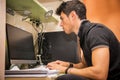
(39, 60)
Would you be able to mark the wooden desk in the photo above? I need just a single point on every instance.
(31, 77)
(37, 78)
(50, 77)
(27, 78)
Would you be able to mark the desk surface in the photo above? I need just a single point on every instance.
(41, 78)
(50, 77)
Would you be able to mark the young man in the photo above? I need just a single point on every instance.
(100, 54)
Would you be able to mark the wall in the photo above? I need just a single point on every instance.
(106, 12)
(2, 38)
(16, 20)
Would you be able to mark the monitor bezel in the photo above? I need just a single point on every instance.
(20, 61)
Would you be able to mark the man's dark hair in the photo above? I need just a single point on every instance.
(72, 5)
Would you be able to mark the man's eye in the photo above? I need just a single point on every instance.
(62, 19)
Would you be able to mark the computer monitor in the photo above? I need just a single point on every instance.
(20, 45)
(59, 46)
(7, 58)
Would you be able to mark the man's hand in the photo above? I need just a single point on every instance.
(57, 66)
(62, 63)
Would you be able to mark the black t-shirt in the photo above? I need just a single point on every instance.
(93, 35)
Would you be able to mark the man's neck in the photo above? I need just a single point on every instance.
(78, 26)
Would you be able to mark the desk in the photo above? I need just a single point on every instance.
(49, 77)
(37, 78)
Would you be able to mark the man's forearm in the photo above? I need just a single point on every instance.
(79, 65)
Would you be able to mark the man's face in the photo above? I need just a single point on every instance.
(66, 23)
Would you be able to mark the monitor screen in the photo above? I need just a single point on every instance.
(59, 46)
(20, 45)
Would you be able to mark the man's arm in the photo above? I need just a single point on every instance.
(99, 68)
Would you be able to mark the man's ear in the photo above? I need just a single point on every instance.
(73, 15)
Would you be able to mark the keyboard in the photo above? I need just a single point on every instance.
(18, 72)
(38, 71)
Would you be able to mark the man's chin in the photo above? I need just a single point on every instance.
(68, 32)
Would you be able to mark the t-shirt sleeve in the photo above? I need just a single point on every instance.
(97, 37)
